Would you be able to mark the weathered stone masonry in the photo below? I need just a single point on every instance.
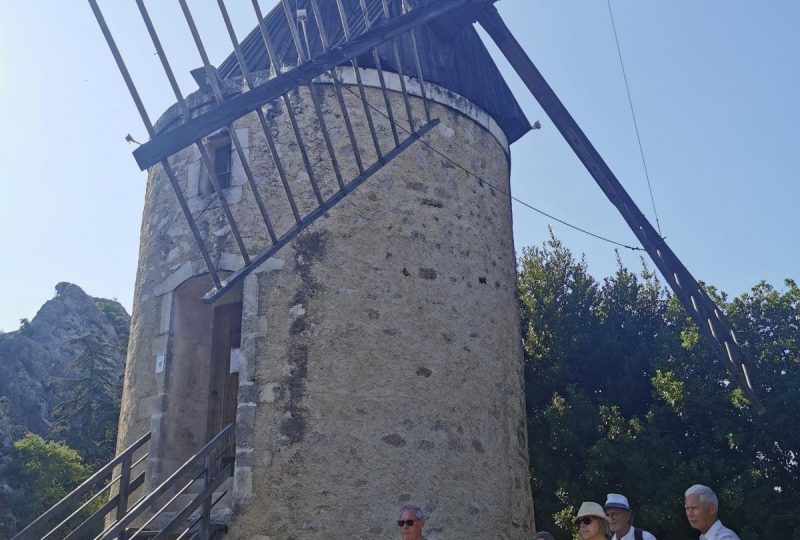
(381, 349)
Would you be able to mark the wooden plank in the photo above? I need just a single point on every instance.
(211, 296)
(96, 518)
(201, 497)
(93, 521)
(164, 145)
(146, 502)
(85, 487)
(677, 275)
(226, 335)
(124, 485)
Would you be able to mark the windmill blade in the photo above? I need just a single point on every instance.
(174, 140)
(196, 128)
(709, 319)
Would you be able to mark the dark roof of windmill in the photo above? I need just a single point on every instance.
(454, 59)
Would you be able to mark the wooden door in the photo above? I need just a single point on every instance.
(224, 385)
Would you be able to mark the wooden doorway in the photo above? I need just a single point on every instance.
(224, 383)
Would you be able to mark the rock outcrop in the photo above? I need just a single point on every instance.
(36, 354)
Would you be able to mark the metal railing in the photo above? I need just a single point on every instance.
(102, 479)
(210, 467)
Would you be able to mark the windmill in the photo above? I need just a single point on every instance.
(360, 73)
(707, 316)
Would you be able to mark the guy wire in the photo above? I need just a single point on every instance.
(500, 190)
(633, 115)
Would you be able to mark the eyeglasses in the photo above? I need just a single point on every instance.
(406, 522)
(585, 520)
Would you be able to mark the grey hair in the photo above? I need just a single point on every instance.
(705, 493)
(543, 535)
(416, 509)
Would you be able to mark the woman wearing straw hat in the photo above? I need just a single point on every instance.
(592, 522)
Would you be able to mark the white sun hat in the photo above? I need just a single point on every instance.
(615, 500)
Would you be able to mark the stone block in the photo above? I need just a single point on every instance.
(166, 311)
(173, 280)
(230, 262)
(242, 482)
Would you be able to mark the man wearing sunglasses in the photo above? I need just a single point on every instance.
(411, 522)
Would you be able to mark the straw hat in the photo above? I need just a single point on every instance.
(590, 509)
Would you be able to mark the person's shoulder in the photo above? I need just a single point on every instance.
(647, 535)
(725, 533)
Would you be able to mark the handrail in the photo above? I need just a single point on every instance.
(95, 519)
(111, 502)
(79, 491)
(184, 514)
(212, 477)
(146, 502)
(164, 507)
(197, 520)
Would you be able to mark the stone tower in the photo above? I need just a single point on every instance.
(374, 361)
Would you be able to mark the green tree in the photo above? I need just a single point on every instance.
(24, 326)
(118, 317)
(87, 418)
(39, 474)
(624, 395)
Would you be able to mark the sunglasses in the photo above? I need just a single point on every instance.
(583, 521)
(407, 522)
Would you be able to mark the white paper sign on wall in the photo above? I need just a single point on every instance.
(161, 361)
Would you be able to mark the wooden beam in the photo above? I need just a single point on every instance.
(446, 28)
(165, 144)
(706, 315)
(212, 296)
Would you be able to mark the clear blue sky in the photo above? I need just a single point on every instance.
(714, 86)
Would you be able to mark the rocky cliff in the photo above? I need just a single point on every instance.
(37, 353)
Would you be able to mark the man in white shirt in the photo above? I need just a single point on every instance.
(701, 510)
(621, 519)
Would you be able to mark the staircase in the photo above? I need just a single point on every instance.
(185, 506)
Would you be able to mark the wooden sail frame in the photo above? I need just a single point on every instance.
(709, 319)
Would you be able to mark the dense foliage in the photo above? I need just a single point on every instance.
(39, 474)
(118, 317)
(87, 418)
(624, 396)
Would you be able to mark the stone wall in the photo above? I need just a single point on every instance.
(382, 360)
